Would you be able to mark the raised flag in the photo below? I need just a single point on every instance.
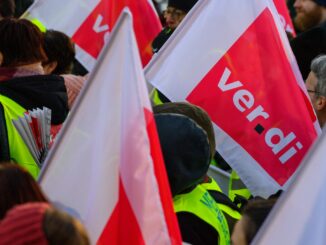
(106, 166)
(285, 17)
(299, 215)
(89, 23)
(233, 59)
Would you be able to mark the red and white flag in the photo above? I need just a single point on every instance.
(90, 22)
(285, 17)
(299, 215)
(233, 59)
(106, 167)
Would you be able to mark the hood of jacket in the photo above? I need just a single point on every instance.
(38, 91)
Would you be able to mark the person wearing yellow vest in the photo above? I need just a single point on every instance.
(229, 209)
(186, 153)
(238, 192)
(23, 86)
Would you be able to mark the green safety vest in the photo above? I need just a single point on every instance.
(19, 152)
(200, 203)
(237, 187)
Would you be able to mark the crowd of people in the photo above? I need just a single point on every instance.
(36, 70)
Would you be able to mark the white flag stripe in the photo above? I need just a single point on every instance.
(147, 206)
(226, 144)
(299, 216)
(84, 58)
(60, 17)
(205, 54)
(104, 135)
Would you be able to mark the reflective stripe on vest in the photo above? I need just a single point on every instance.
(200, 203)
(237, 187)
(19, 152)
(213, 186)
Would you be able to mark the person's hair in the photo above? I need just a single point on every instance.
(59, 48)
(17, 186)
(194, 112)
(61, 228)
(7, 8)
(254, 215)
(21, 42)
(318, 67)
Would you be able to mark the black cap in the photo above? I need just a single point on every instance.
(184, 5)
(308, 46)
(321, 2)
(185, 150)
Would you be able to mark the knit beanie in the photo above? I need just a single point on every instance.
(184, 5)
(195, 113)
(185, 149)
(23, 225)
(321, 2)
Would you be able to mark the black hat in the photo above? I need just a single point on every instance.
(308, 46)
(185, 150)
(184, 5)
(321, 2)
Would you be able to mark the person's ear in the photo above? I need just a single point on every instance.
(1, 58)
(321, 103)
(50, 67)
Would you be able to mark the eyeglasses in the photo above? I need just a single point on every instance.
(313, 91)
(174, 13)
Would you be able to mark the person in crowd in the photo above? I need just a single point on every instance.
(7, 8)
(60, 52)
(39, 223)
(17, 186)
(23, 86)
(186, 154)
(316, 87)
(311, 17)
(253, 217)
(22, 6)
(229, 209)
(173, 15)
(309, 14)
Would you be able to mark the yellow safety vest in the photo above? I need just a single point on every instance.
(155, 97)
(19, 152)
(200, 203)
(237, 187)
(213, 186)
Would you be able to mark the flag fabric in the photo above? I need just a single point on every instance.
(106, 167)
(299, 216)
(285, 17)
(233, 59)
(90, 22)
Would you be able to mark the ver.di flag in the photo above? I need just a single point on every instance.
(106, 167)
(299, 216)
(284, 15)
(90, 22)
(233, 59)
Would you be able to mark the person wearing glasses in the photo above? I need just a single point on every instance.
(173, 15)
(316, 87)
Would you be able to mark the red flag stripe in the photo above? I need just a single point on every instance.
(122, 227)
(162, 179)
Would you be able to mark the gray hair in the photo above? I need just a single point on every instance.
(318, 67)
